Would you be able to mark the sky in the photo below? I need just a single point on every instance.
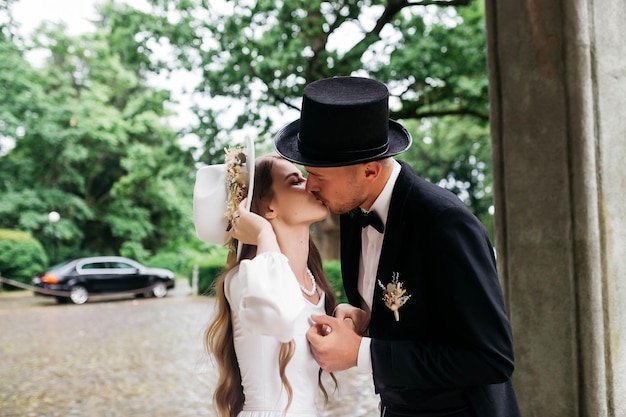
(75, 13)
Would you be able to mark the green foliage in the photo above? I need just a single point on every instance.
(439, 68)
(444, 102)
(85, 131)
(134, 250)
(209, 269)
(174, 261)
(332, 269)
(181, 257)
(432, 58)
(90, 142)
(21, 256)
(456, 154)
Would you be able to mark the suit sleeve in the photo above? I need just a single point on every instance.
(477, 348)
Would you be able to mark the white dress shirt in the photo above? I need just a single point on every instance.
(371, 246)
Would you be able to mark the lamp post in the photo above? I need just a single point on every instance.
(54, 217)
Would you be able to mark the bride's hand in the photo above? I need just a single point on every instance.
(252, 229)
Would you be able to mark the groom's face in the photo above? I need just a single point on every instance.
(339, 188)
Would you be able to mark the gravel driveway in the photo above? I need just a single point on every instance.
(121, 357)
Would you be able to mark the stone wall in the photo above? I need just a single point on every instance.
(558, 100)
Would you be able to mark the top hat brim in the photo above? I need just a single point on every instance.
(286, 144)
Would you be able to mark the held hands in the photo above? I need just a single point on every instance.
(354, 316)
(334, 344)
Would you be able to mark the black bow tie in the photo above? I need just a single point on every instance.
(368, 219)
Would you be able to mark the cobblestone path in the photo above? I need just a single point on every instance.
(122, 357)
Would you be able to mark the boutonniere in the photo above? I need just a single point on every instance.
(394, 294)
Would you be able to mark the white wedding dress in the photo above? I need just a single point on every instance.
(268, 308)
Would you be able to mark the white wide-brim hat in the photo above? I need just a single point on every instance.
(210, 195)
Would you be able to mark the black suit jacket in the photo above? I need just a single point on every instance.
(452, 348)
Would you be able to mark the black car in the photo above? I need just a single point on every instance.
(75, 280)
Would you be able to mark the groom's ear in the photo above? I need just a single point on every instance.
(372, 170)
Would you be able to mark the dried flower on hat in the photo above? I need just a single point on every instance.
(236, 185)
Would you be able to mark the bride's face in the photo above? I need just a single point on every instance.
(292, 202)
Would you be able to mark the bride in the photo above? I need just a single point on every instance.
(265, 299)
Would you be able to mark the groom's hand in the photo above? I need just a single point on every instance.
(355, 316)
(334, 344)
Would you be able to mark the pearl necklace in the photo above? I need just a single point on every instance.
(313, 288)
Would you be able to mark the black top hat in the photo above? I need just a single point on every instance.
(343, 121)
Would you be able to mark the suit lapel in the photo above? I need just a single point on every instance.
(392, 241)
(394, 229)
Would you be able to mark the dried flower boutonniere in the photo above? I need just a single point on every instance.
(236, 186)
(394, 294)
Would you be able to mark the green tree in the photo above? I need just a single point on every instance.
(431, 54)
(21, 256)
(84, 133)
(90, 141)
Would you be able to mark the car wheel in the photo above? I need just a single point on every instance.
(159, 290)
(78, 294)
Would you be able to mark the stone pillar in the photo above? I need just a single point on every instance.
(557, 72)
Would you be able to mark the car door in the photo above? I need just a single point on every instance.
(96, 276)
(130, 277)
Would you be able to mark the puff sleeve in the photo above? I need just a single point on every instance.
(264, 296)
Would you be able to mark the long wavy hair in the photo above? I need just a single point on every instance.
(228, 397)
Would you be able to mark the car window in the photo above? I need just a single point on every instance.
(94, 265)
(120, 265)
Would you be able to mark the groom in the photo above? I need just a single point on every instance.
(413, 257)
